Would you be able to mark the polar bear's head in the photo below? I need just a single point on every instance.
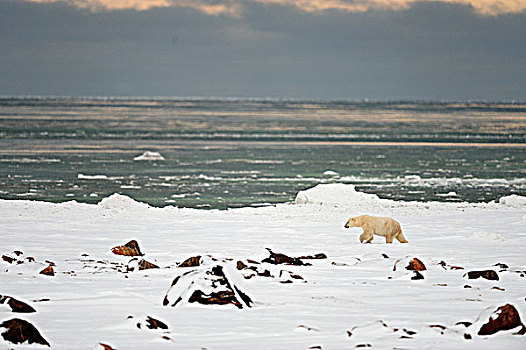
(352, 222)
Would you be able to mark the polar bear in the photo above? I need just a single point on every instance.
(381, 226)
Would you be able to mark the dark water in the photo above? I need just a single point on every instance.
(232, 153)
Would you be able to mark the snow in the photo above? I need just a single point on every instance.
(351, 298)
(149, 155)
(330, 173)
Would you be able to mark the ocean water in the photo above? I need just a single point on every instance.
(226, 153)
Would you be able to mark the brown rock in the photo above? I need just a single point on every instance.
(223, 297)
(16, 305)
(48, 271)
(278, 258)
(106, 346)
(504, 318)
(152, 323)
(219, 289)
(129, 249)
(241, 265)
(191, 262)
(19, 331)
(416, 265)
(144, 265)
(487, 274)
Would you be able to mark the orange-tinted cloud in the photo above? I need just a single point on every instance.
(234, 8)
(212, 8)
(485, 7)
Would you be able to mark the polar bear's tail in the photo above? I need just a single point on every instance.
(400, 237)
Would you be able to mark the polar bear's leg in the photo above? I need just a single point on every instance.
(400, 237)
(362, 237)
(366, 237)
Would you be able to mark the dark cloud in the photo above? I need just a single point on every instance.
(429, 51)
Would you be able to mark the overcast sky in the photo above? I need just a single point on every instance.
(332, 49)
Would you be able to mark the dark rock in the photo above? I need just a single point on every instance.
(30, 259)
(464, 323)
(48, 271)
(487, 274)
(467, 286)
(16, 305)
(504, 318)
(106, 346)
(8, 259)
(278, 258)
(363, 345)
(253, 261)
(498, 288)
(19, 331)
(502, 266)
(129, 249)
(308, 328)
(416, 265)
(417, 276)
(152, 323)
(18, 252)
(385, 256)
(265, 273)
(439, 326)
(144, 265)
(191, 262)
(409, 331)
(315, 256)
(467, 336)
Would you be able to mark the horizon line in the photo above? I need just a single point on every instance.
(252, 98)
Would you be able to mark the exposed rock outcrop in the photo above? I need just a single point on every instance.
(487, 274)
(129, 249)
(19, 331)
(16, 305)
(217, 284)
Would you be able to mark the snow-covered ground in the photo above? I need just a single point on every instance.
(351, 299)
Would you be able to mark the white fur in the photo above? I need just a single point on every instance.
(381, 226)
